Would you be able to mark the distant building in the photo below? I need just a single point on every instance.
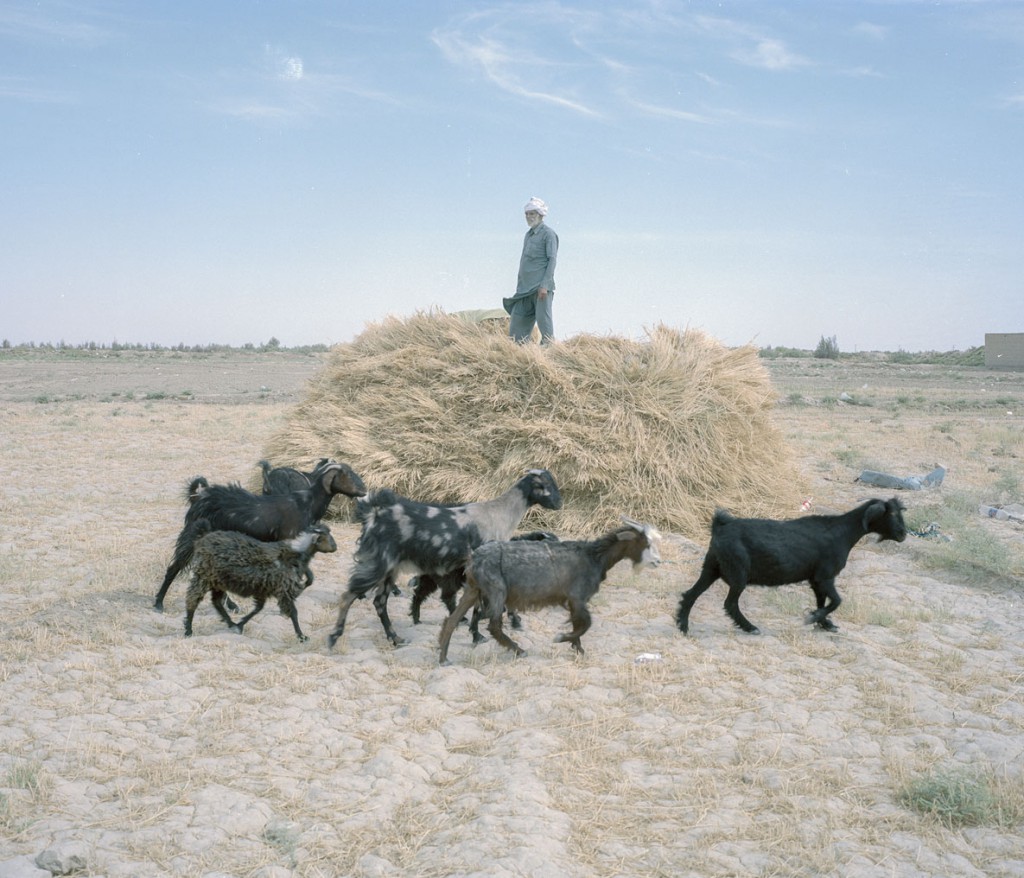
(1004, 350)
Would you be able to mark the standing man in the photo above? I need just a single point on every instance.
(535, 289)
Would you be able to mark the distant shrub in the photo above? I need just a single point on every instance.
(827, 349)
(774, 353)
(970, 357)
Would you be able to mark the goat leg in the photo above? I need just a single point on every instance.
(380, 603)
(708, 574)
(172, 572)
(347, 599)
(498, 633)
(217, 596)
(474, 625)
(732, 607)
(422, 587)
(469, 599)
(241, 623)
(828, 600)
(293, 614)
(580, 618)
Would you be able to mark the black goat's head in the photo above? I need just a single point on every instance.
(340, 478)
(539, 487)
(885, 518)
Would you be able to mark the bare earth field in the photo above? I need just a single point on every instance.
(127, 750)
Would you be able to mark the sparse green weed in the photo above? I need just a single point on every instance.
(959, 796)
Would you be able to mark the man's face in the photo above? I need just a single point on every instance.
(533, 218)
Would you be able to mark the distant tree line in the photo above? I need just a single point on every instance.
(272, 345)
(828, 349)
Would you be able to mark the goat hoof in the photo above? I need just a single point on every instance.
(398, 641)
(158, 607)
(521, 653)
(753, 629)
(303, 638)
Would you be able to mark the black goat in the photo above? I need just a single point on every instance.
(527, 575)
(271, 517)
(228, 561)
(285, 479)
(401, 535)
(757, 551)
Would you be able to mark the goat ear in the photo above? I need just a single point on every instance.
(873, 511)
(327, 474)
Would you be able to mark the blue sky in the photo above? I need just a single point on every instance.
(768, 172)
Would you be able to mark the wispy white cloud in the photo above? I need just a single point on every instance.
(292, 70)
(862, 73)
(283, 87)
(284, 67)
(50, 23)
(19, 89)
(251, 109)
(672, 113)
(873, 31)
(752, 47)
(769, 54)
(504, 66)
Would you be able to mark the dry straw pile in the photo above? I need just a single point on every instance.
(443, 410)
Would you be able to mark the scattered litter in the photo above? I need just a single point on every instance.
(807, 504)
(910, 483)
(931, 531)
(1012, 512)
(647, 657)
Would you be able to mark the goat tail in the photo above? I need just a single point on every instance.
(367, 574)
(184, 548)
(195, 489)
(201, 528)
(721, 517)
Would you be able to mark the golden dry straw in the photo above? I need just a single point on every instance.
(440, 409)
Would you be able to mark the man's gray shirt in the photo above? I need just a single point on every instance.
(537, 265)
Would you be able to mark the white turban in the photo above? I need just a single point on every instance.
(536, 204)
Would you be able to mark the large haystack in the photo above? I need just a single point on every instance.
(444, 410)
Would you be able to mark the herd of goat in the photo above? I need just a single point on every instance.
(260, 546)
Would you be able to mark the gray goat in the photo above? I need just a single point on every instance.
(527, 574)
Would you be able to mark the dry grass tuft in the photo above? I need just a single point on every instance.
(664, 430)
